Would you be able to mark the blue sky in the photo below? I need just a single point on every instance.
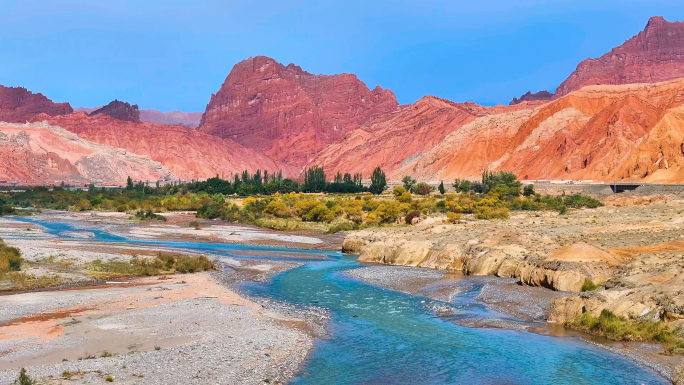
(172, 55)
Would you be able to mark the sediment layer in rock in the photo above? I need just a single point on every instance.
(288, 113)
(188, 153)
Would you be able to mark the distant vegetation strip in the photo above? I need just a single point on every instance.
(268, 200)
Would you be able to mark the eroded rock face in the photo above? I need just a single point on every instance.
(532, 97)
(188, 153)
(600, 133)
(288, 113)
(18, 105)
(656, 54)
(119, 110)
(39, 153)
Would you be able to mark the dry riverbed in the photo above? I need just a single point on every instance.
(171, 329)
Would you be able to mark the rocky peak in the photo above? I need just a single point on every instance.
(17, 104)
(267, 106)
(119, 110)
(653, 55)
(530, 97)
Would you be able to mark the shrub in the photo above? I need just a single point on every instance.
(278, 209)
(620, 328)
(487, 212)
(464, 186)
(24, 378)
(194, 224)
(10, 258)
(453, 217)
(149, 215)
(320, 213)
(589, 285)
(528, 190)
(397, 191)
(411, 215)
(109, 379)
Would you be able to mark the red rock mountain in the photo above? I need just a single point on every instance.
(287, 113)
(37, 153)
(188, 153)
(532, 97)
(17, 104)
(600, 133)
(655, 54)
(119, 110)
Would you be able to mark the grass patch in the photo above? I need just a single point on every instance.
(282, 224)
(162, 263)
(149, 216)
(588, 285)
(619, 328)
(24, 379)
(20, 281)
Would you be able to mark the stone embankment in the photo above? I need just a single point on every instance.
(632, 254)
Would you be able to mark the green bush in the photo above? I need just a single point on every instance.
(486, 212)
(10, 258)
(589, 285)
(24, 379)
(149, 215)
(620, 328)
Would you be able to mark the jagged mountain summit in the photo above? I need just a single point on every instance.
(288, 113)
(655, 54)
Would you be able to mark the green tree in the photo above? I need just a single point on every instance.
(441, 187)
(408, 182)
(314, 180)
(129, 183)
(378, 182)
(528, 190)
(464, 186)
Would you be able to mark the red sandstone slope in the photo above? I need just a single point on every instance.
(37, 153)
(601, 133)
(288, 113)
(656, 54)
(189, 154)
(393, 140)
(17, 104)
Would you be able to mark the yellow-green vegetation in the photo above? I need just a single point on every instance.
(10, 259)
(589, 285)
(162, 263)
(619, 328)
(21, 281)
(272, 202)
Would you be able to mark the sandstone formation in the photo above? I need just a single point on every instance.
(38, 153)
(632, 253)
(600, 133)
(174, 118)
(188, 153)
(17, 104)
(287, 113)
(396, 139)
(656, 54)
(530, 97)
(119, 110)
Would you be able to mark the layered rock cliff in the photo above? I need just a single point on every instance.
(17, 104)
(601, 133)
(656, 54)
(38, 153)
(188, 153)
(119, 110)
(288, 113)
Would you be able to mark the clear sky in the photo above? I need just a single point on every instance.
(172, 55)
